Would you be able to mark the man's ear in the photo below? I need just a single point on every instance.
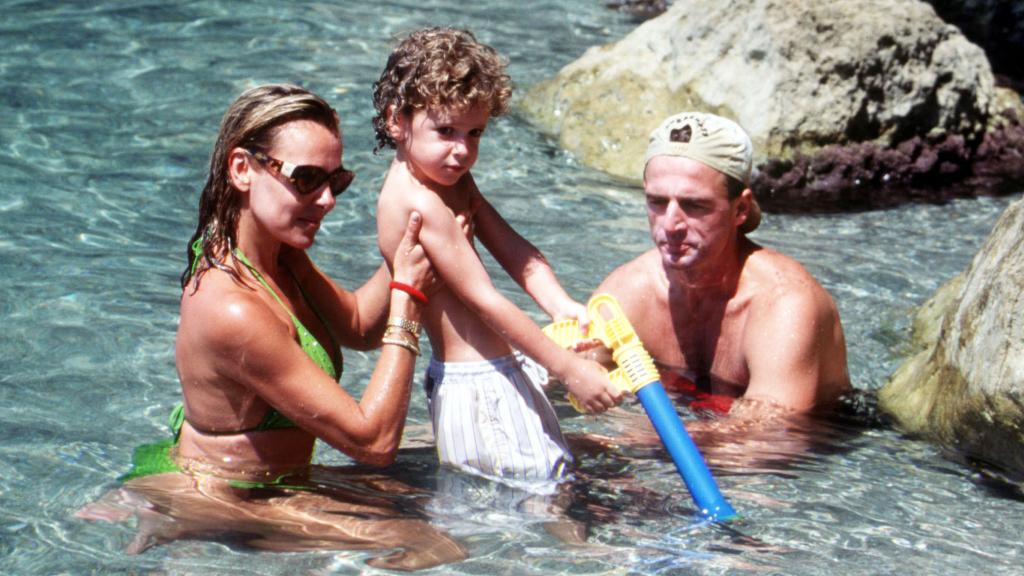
(240, 169)
(396, 122)
(743, 203)
(751, 212)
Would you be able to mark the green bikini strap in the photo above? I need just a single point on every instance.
(197, 253)
(259, 277)
(176, 419)
(313, 348)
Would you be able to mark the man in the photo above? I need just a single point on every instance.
(712, 307)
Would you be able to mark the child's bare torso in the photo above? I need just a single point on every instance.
(457, 333)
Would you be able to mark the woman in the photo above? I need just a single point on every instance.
(258, 353)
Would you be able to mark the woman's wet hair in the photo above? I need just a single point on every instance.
(444, 68)
(251, 122)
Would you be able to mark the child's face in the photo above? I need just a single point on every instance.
(441, 145)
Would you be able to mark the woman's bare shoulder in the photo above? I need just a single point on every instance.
(222, 311)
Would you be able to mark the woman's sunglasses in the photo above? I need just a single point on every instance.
(307, 179)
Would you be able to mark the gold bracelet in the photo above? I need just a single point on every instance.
(395, 332)
(400, 342)
(404, 335)
(405, 324)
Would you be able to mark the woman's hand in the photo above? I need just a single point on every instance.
(411, 265)
(466, 219)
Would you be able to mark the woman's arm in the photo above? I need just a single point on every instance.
(356, 318)
(252, 346)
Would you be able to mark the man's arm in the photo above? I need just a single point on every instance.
(795, 350)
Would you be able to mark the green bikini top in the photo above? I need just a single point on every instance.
(307, 341)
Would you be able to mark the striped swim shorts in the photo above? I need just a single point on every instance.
(491, 417)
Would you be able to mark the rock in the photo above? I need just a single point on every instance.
(845, 102)
(964, 387)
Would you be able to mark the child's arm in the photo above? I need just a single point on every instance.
(457, 263)
(525, 264)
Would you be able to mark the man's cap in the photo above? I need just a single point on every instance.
(716, 142)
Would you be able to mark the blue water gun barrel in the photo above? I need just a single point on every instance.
(636, 373)
(684, 453)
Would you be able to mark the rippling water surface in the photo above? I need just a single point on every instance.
(109, 113)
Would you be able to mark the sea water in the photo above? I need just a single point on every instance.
(108, 112)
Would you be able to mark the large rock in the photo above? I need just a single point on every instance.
(840, 99)
(965, 385)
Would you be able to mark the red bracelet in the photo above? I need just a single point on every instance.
(410, 290)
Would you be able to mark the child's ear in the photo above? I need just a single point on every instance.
(396, 123)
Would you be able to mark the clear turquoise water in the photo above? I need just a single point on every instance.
(107, 115)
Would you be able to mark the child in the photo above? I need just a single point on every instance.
(438, 90)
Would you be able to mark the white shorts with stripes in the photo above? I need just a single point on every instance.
(491, 417)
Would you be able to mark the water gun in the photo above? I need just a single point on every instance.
(636, 373)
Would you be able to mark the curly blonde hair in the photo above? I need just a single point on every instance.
(443, 68)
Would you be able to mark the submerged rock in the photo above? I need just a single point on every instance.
(846, 103)
(639, 10)
(965, 385)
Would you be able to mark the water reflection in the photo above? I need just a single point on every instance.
(761, 442)
(615, 511)
(331, 509)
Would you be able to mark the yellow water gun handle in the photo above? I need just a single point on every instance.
(565, 333)
(611, 326)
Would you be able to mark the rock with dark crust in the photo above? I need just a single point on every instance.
(848, 104)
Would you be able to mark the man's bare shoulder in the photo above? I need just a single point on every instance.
(770, 275)
(780, 289)
(633, 282)
(794, 342)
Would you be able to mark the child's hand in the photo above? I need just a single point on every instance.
(411, 264)
(573, 310)
(588, 382)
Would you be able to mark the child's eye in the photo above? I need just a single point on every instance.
(476, 132)
(445, 130)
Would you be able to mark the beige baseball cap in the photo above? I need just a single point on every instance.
(712, 140)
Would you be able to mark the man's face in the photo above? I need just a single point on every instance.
(691, 217)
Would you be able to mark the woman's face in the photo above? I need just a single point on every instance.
(278, 209)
